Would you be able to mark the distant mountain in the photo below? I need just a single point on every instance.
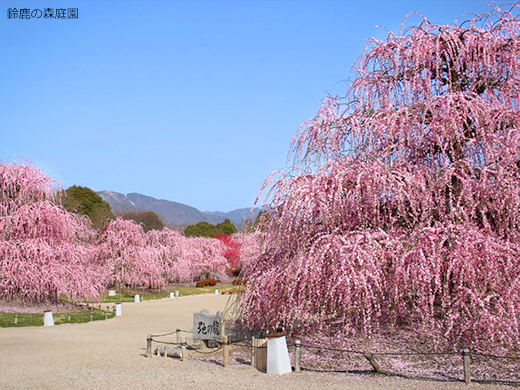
(172, 214)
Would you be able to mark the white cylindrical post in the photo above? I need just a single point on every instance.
(137, 299)
(216, 291)
(172, 295)
(48, 319)
(119, 309)
(177, 294)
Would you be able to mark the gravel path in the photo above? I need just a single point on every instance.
(110, 355)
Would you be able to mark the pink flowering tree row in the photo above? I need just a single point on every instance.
(47, 253)
(402, 206)
(129, 257)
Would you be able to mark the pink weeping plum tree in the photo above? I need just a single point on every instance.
(45, 251)
(126, 256)
(401, 209)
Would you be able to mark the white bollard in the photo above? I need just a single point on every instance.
(277, 355)
(137, 299)
(172, 295)
(48, 319)
(111, 293)
(177, 294)
(216, 291)
(119, 309)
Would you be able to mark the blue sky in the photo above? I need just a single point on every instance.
(191, 101)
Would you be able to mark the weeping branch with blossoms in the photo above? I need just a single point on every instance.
(45, 251)
(402, 206)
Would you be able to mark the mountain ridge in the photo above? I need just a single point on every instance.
(173, 214)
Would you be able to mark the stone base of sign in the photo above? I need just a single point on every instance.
(170, 352)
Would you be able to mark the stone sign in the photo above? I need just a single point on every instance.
(207, 326)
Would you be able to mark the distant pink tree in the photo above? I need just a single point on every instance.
(45, 251)
(250, 248)
(125, 258)
(402, 206)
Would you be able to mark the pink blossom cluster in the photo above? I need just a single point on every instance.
(402, 206)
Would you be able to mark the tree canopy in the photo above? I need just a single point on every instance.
(84, 201)
(206, 229)
(226, 227)
(148, 219)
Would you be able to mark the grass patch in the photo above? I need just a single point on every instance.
(128, 295)
(8, 320)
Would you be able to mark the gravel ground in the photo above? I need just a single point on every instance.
(111, 354)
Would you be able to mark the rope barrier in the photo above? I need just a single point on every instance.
(168, 334)
(238, 343)
(165, 342)
(333, 349)
(207, 352)
(385, 353)
(495, 356)
(414, 353)
(162, 335)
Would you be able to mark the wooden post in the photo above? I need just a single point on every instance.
(465, 361)
(91, 317)
(225, 349)
(16, 319)
(165, 351)
(297, 345)
(261, 355)
(183, 349)
(148, 345)
(178, 336)
(253, 351)
(372, 361)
